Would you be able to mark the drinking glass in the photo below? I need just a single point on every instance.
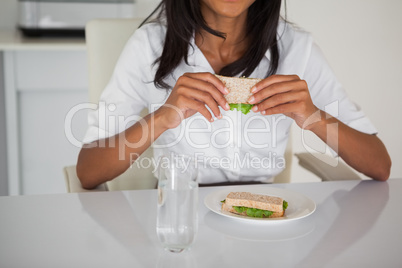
(177, 215)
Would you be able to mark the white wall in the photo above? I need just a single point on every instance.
(362, 41)
(8, 19)
(8, 13)
(3, 140)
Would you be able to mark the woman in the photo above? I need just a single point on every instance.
(168, 66)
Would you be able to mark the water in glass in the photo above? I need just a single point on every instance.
(177, 220)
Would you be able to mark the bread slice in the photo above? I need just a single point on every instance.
(239, 88)
(246, 199)
(228, 208)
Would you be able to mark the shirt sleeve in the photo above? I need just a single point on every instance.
(125, 96)
(328, 94)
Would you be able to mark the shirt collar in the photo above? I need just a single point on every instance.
(197, 59)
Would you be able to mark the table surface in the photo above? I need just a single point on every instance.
(356, 224)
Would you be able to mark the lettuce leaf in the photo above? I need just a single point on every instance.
(285, 205)
(254, 212)
(242, 107)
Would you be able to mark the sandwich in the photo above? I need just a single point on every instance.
(254, 205)
(239, 92)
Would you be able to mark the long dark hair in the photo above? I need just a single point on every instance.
(184, 18)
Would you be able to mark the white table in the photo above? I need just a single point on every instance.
(356, 224)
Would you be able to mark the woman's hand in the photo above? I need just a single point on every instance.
(191, 94)
(289, 95)
(284, 94)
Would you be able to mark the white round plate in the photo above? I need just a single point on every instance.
(299, 205)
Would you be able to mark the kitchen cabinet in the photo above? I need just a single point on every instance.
(44, 80)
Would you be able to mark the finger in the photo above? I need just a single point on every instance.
(206, 87)
(206, 98)
(200, 107)
(281, 109)
(216, 95)
(278, 99)
(277, 88)
(210, 78)
(273, 79)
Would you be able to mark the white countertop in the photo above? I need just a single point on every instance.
(12, 40)
(356, 224)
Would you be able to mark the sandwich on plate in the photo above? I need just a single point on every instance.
(254, 205)
(239, 92)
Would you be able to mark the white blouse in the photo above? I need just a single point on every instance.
(237, 147)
